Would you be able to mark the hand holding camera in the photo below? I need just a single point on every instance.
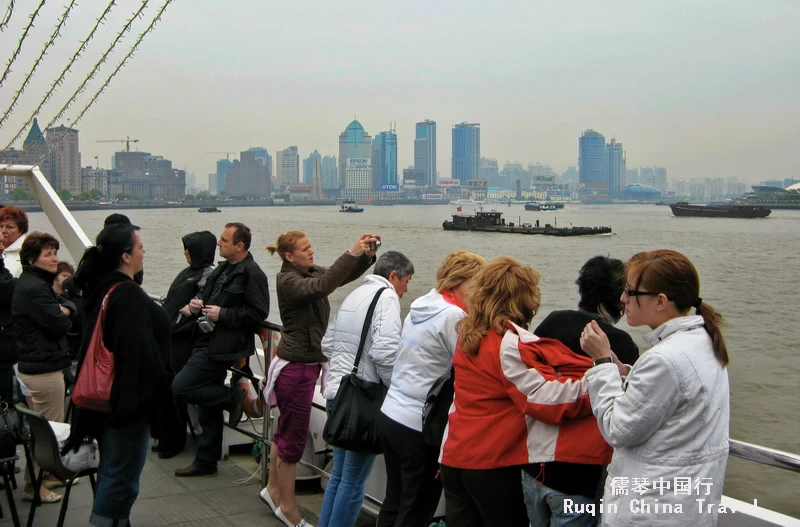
(367, 244)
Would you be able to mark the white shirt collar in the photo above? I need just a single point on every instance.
(672, 326)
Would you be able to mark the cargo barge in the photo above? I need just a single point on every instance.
(724, 210)
(494, 222)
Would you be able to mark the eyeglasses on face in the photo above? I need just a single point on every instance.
(634, 292)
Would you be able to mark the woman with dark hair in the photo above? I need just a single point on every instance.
(14, 224)
(136, 331)
(669, 420)
(509, 400)
(41, 324)
(303, 288)
(547, 484)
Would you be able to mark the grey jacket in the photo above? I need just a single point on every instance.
(304, 306)
(669, 419)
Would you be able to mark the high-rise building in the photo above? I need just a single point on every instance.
(632, 176)
(592, 160)
(330, 173)
(248, 177)
(223, 167)
(354, 142)
(466, 151)
(425, 150)
(615, 169)
(358, 178)
(65, 158)
(316, 177)
(384, 159)
(647, 176)
(488, 170)
(288, 164)
(660, 178)
(262, 154)
(212, 184)
(308, 166)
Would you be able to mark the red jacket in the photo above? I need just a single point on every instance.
(521, 400)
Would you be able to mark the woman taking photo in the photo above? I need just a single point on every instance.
(303, 290)
(424, 354)
(669, 421)
(136, 331)
(506, 400)
(41, 324)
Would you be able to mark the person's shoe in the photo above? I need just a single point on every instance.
(50, 497)
(235, 415)
(266, 498)
(195, 470)
(281, 517)
(52, 483)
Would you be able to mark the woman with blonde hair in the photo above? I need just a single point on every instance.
(425, 353)
(669, 420)
(506, 402)
(303, 290)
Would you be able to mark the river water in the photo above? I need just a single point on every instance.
(748, 270)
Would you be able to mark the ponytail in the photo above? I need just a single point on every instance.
(714, 323)
(286, 243)
(88, 268)
(106, 255)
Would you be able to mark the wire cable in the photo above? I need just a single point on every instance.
(60, 78)
(47, 45)
(21, 40)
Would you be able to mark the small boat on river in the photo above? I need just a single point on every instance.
(349, 205)
(721, 210)
(208, 209)
(494, 222)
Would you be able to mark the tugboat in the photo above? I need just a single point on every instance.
(723, 210)
(494, 222)
(208, 209)
(349, 205)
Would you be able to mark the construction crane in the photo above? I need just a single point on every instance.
(127, 142)
(227, 154)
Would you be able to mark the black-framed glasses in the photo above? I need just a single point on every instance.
(634, 292)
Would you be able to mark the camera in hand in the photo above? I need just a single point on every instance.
(205, 324)
(373, 246)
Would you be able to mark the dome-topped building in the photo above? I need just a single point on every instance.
(354, 142)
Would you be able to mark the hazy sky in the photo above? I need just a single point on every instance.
(705, 88)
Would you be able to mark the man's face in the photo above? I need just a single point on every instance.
(227, 249)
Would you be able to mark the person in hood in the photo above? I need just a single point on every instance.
(136, 331)
(199, 249)
(345, 490)
(41, 324)
(424, 354)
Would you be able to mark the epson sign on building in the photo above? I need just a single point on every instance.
(359, 161)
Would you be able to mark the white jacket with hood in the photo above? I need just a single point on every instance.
(340, 343)
(425, 353)
(668, 423)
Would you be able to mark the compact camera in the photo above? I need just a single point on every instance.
(205, 324)
(373, 246)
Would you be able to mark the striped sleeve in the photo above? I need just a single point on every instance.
(540, 393)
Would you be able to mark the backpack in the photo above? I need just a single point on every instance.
(436, 410)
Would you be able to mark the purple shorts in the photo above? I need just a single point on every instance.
(294, 390)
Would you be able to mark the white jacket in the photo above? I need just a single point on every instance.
(669, 420)
(341, 339)
(11, 257)
(424, 354)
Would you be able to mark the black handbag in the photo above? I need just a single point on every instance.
(13, 430)
(436, 410)
(353, 416)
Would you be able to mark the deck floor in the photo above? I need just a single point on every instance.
(228, 499)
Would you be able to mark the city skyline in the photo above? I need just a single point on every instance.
(703, 91)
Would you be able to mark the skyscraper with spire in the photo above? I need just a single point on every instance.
(354, 142)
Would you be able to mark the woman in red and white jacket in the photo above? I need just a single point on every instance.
(519, 399)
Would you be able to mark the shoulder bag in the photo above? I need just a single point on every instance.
(353, 416)
(92, 390)
(436, 410)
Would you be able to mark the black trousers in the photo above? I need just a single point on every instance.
(173, 418)
(412, 487)
(484, 498)
(202, 382)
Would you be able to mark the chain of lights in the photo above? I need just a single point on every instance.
(19, 44)
(7, 16)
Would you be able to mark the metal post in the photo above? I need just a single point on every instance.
(267, 419)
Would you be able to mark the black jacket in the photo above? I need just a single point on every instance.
(71, 298)
(303, 301)
(201, 247)
(136, 331)
(8, 341)
(244, 303)
(40, 325)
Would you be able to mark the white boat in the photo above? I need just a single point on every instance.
(316, 456)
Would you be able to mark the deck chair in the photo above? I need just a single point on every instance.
(47, 456)
(7, 472)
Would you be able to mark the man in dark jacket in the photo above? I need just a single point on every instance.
(198, 248)
(233, 303)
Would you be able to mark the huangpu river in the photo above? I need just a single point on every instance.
(748, 268)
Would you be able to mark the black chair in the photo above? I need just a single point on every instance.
(7, 471)
(47, 456)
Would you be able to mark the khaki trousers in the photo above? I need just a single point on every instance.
(47, 392)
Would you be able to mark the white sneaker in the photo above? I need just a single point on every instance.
(281, 517)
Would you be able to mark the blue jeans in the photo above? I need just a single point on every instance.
(345, 491)
(123, 451)
(546, 507)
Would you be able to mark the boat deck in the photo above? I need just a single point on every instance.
(229, 499)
